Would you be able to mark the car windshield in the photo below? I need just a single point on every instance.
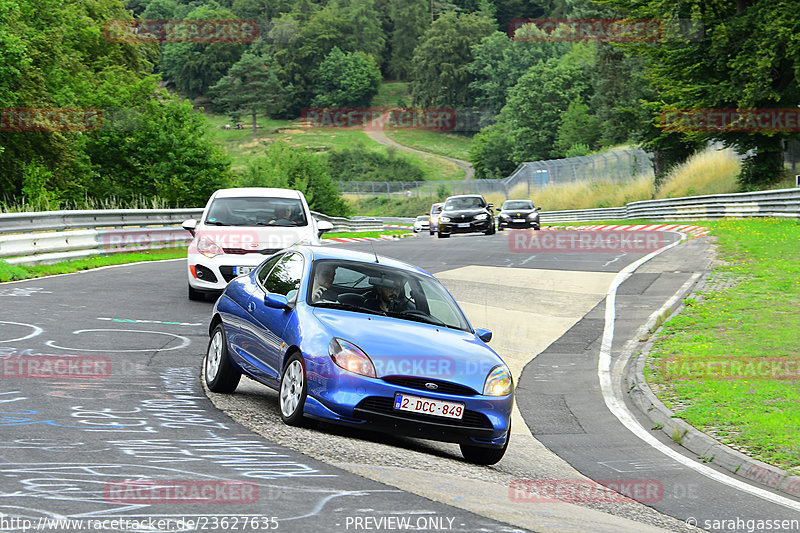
(256, 211)
(518, 204)
(372, 288)
(466, 202)
(435, 210)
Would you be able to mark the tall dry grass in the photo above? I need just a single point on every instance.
(711, 171)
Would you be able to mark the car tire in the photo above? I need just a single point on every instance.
(443, 235)
(220, 374)
(489, 231)
(500, 228)
(481, 455)
(432, 232)
(195, 295)
(293, 390)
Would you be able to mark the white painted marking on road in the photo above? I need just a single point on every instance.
(36, 331)
(184, 341)
(616, 404)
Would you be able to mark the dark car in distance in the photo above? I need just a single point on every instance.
(518, 214)
(467, 213)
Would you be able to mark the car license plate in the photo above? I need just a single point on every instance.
(463, 225)
(242, 271)
(519, 220)
(415, 404)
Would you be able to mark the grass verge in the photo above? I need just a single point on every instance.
(17, 272)
(447, 144)
(353, 234)
(728, 363)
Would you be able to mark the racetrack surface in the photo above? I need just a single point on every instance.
(65, 441)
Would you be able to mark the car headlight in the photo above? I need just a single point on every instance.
(207, 247)
(503, 215)
(533, 216)
(350, 357)
(444, 219)
(499, 382)
(482, 216)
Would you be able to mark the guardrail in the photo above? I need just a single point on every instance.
(29, 238)
(780, 203)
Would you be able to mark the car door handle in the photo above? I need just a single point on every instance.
(251, 306)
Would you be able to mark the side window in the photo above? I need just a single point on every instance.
(285, 277)
(266, 267)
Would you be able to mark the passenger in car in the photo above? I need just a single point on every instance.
(322, 283)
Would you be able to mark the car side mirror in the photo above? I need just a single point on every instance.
(490, 206)
(323, 226)
(190, 226)
(483, 334)
(538, 208)
(276, 301)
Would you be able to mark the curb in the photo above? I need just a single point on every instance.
(340, 240)
(708, 449)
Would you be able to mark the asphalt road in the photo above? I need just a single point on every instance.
(133, 410)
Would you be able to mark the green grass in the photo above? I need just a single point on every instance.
(448, 144)
(757, 319)
(394, 207)
(352, 234)
(390, 94)
(239, 144)
(18, 272)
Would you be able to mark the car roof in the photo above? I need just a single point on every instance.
(257, 191)
(466, 196)
(333, 252)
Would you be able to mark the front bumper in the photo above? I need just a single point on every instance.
(471, 226)
(213, 273)
(511, 223)
(368, 403)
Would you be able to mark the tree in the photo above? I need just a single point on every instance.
(490, 153)
(440, 74)
(346, 80)
(195, 67)
(540, 98)
(289, 167)
(252, 85)
(364, 32)
(578, 127)
(499, 62)
(410, 19)
(748, 58)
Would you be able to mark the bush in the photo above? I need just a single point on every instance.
(360, 164)
(288, 167)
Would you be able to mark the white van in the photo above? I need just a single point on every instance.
(242, 227)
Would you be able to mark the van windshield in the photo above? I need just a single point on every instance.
(256, 211)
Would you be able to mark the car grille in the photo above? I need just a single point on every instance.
(380, 405)
(227, 272)
(443, 387)
(241, 251)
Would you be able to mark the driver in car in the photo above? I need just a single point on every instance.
(283, 216)
(389, 297)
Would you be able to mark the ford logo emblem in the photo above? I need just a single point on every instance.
(431, 386)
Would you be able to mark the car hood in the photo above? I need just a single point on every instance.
(463, 212)
(404, 348)
(257, 238)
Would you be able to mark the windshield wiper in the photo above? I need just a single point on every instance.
(348, 307)
(217, 223)
(416, 318)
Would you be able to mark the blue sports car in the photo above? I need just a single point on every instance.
(366, 341)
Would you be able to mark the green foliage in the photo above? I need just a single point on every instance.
(577, 128)
(747, 58)
(359, 164)
(440, 63)
(499, 62)
(346, 80)
(577, 150)
(285, 166)
(251, 85)
(538, 101)
(194, 67)
(410, 19)
(490, 153)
